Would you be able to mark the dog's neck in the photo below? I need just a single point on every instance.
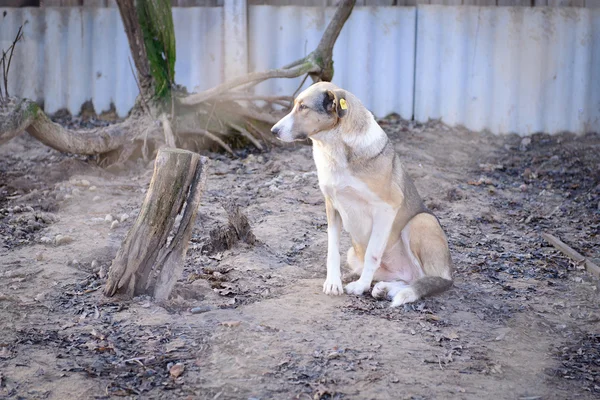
(345, 141)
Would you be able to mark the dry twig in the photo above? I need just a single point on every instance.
(572, 254)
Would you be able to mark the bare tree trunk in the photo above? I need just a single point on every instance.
(135, 38)
(178, 181)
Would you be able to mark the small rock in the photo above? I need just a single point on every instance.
(45, 240)
(176, 370)
(108, 218)
(29, 209)
(102, 272)
(231, 324)
(73, 263)
(123, 217)
(95, 265)
(68, 196)
(200, 310)
(39, 256)
(523, 188)
(96, 198)
(85, 182)
(114, 224)
(92, 188)
(76, 192)
(40, 297)
(525, 143)
(17, 209)
(59, 240)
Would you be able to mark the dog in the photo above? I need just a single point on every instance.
(396, 240)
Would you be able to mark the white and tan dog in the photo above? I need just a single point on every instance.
(395, 239)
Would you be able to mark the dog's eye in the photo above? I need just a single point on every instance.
(302, 107)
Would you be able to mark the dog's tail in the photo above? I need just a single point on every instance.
(430, 286)
(422, 287)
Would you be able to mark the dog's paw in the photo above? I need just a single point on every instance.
(357, 287)
(333, 287)
(380, 290)
(404, 296)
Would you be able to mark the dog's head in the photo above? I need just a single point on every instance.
(319, 108)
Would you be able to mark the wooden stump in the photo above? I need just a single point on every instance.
(147, 263)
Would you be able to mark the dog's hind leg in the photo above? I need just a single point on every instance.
(383, 290)
(422, 287)
(429, 245)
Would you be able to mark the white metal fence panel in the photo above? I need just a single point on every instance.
(509, 69)
(199, 40)
(69, 56)
(373, 56)
(521, 70)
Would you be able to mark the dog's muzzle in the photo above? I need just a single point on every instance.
(275, 131)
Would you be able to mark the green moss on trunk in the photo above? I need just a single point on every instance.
(156, 22)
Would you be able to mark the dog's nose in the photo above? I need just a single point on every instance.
(275, 131)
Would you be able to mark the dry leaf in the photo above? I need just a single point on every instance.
(176, 370)
(174, 345)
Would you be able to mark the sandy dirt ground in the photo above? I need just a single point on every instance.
(251, 322)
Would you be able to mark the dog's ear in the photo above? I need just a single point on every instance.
(335, 102)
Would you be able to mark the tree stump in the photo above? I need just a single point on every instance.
(147, 262)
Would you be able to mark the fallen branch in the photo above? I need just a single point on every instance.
(209, 135)
(20, 115)
(284, 101)
(254, 77)
(247, 135)
(572, 254)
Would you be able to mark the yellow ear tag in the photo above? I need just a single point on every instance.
(343, 104)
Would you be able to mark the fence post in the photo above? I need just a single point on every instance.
(235, 25)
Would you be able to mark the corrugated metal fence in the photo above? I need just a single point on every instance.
(506, 69)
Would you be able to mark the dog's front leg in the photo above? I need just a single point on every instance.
(333, 283)
(383, 220)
